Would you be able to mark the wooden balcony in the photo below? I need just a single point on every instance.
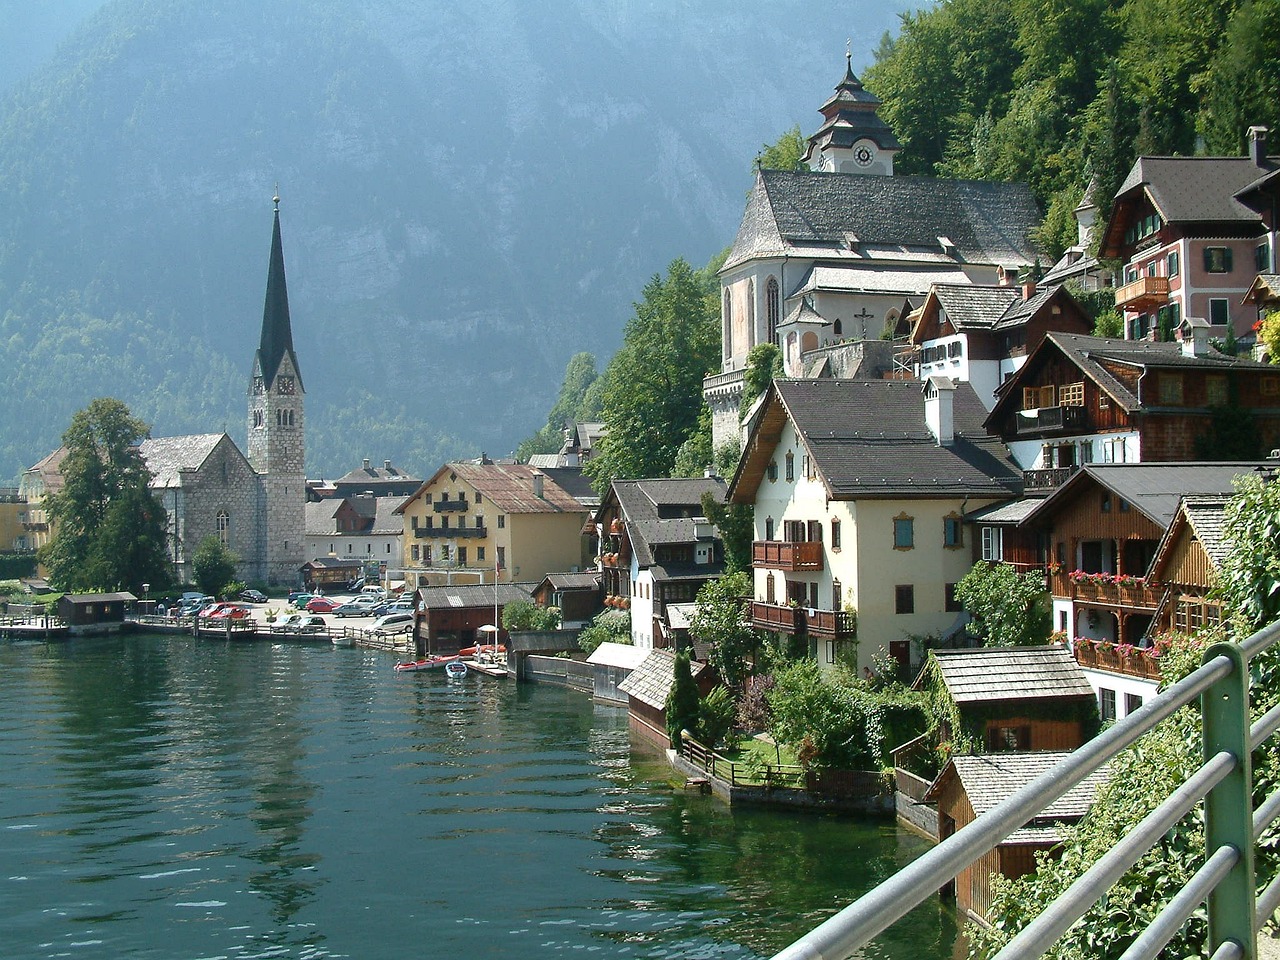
(1052, 420)
(451, 533)
(1122, 659)
(831, 624)
(778, 555)
(450, 506)
(1130, 596)
(1142, 293)
(776, 616)
(1046, 479)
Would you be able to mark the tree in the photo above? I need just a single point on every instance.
(1009, 609)
(718, 620)
(764, 364)
(785, 153)
(682, 700)
(1269, 334)
(839, 723)
(716, 713)
(654, 391)
(609, 626)
(525, 615)
(1249, 577)
(214, 565)
(109, 531)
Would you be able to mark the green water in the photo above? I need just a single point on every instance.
(162, 797)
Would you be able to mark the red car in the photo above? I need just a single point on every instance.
(230, 611)
(321, 605)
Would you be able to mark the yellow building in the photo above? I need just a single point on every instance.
(13, 519)
(472, 521)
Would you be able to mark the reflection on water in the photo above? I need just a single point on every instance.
(164, 797)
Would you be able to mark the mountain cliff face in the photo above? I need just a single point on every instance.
(471, 193)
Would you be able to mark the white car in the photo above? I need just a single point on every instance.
(393, 623)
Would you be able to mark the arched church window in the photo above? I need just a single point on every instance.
(772, 306)
(224, 527)
(836, 328)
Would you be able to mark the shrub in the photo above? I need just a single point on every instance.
(716, 714)
(525, 615)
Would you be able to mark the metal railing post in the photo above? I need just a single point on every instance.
(1229, 805)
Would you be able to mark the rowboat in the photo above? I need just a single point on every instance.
(455, 669)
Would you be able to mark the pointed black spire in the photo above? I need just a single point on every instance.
(277, 334)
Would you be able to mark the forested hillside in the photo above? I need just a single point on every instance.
(472, 193)
(1055, 92)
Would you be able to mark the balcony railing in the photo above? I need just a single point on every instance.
(450, 506)
(451, 533)
(1116, 658)
(1135, 595)
(1052, 420)
(830, 624)
(778, 555)
(776, 616)
(1045, 480)
(1143, 292)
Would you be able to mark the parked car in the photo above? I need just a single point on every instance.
(294, 595)
(288, 624)
(300, 600)
(253, 596)
(312, 625)
(373, 591)
(393, 606)
(355, 585)
(230, 611)
(352, 610)
(321, 605)
(393, 623)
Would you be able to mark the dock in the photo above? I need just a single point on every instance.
(41, 627)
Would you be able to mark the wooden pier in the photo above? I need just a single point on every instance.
(42, 627)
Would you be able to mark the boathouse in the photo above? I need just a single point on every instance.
(90, 613)
(647, 688)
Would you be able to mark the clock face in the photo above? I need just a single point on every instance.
(287, 385)
(863, 156)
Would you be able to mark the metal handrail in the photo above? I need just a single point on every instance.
(857, 924)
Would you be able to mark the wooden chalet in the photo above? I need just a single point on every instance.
(1015, 698)
(647, 687)
(1104, 526)
(579, 596)
(1187, 562)
(1081, 399)
(331, 573)
(89, 613)
(969, 786)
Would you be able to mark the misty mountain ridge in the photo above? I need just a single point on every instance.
(470, 195)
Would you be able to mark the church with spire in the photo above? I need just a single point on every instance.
(254, 505)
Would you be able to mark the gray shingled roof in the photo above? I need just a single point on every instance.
(874, 277)
(652, 680)
(321, 517)
(987, 222)
(1205, 514)
(474, 595)
(1154, 489)
(1196, 189)
(662, 511)
(869, 439)
(1013, 512)
(388, 473)
(167, 457)
(974, 307)
(989, 779)
(574, 581)
(989, 674)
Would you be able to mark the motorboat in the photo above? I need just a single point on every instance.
(426, 663)
(456, 669)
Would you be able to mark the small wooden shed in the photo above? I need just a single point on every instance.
(1015, 698)
(88, 613)
(969, 786)
(580, 596)
(331, 573)
(647, 688)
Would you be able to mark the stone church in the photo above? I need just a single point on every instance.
(254, 504)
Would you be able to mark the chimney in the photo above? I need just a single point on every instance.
(537, 485)
(366, 463)
(1258, 146)
(1195, 337)
(1028, 289)
(939, 417)
(386, 464)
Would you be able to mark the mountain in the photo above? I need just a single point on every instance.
(471, 193)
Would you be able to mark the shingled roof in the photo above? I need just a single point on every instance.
(167, 457)
(1195, 189)
(869, 439)
(663, 511)
(473, 595)
(990, 779)
(652, 680)
(989, 674)
(510, 487)
(831, 214)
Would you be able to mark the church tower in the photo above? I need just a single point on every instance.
(276, 428)
(852, 138)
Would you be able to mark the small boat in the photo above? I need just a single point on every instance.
(427, 663)
(455, 669)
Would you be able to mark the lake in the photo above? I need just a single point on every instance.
(163, 797)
